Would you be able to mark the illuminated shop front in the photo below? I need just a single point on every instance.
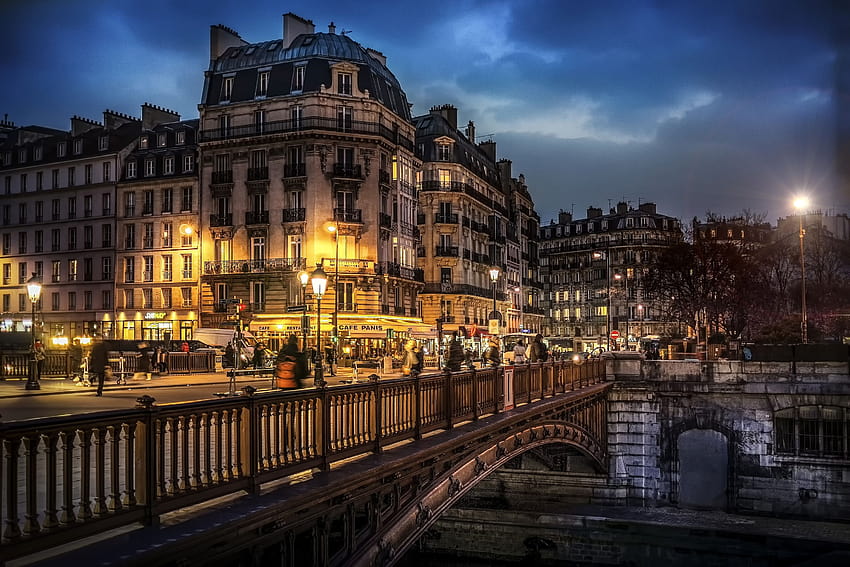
(155, 325)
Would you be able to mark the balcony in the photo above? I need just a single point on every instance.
(219, 177)
(349, 266)
(295, 170)
(258, 173)
(463, 289)
(221, 220)
(533, 310)
(384, 176)
(294, 215)
(304, 124)
(480, 258)
(446, 218)
(396, 270)
(348, 215)
(257, 217)
(266, 265)
(347, 171)
(147, 210)
(385, 220)
(446, 251)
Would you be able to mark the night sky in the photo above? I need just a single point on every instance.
(720, 106)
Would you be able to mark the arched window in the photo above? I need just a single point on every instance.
(820, 431)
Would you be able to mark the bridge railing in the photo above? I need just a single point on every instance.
(68, 477)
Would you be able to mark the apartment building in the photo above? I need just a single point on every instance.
(308, 159)
(593, 275)
(157, 222)
(57, 211)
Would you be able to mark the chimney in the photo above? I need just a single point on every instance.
(80, 125)
(564, 217)
(377, 55)
(448, 112)
(622, 208)
(223, 38)
(293, 26)
(113, 120)
(489, 148)
(594, 212)
(505, 168)
(470, 131)
(331, 28)
(648, 208)
(153, 115)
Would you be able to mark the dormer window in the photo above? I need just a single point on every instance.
(343, 83)
(38, 153)
(60, 149)
(150, 167)
(168, 165)
(263, 83)
(226, 89)
(181, 137)
(444, 152)
(630, 222)
(22, 155)
(161, 140)
(298, 78)
(103, 143)
(78, 146)
(143, 142)
(131, 170)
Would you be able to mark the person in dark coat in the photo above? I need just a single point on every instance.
(289, 354)
(143, 364)
(455, 355)
(259, 357)
(537, 351)
(98, 363)
(493, 357)
(412, 363)
(75, 353)
(229, 356)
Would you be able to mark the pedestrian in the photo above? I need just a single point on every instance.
(468, 359)
(227, 360)
(537, 350)
(40, 356)
(143, 363)
(98, 364)
(519, 352)
(493, 356)
(259, 357)
(184, 347)
(161, 360)
(330, 358)
(75, 354)
(412, 363)
(455, 354)
(290, 366)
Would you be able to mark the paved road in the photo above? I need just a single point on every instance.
(64, 397)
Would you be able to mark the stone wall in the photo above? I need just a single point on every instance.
(654, 402)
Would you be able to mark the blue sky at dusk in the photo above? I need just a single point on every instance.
(696, 105)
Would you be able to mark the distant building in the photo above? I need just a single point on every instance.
(157, 221)
(593, 274)
(734, 230)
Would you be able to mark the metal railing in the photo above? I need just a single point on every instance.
(253, 266)
(72, 476)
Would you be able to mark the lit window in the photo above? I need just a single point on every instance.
(160, 140)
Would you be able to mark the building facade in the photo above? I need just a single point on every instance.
(308, 160)
(157, 220)
(594, 267)
(58, 222)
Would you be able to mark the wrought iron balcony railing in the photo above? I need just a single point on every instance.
(463, 289)
(451, 251)
(213, 267)
(257, 217)
(295, 170)
(348, 171)
(258, 173)
(221, 220)
(294, 215)
(222, 176)
(348, 215)
(446, 218)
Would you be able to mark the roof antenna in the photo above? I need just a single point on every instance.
(345, 32)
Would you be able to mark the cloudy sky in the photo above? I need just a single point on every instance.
(697, 105)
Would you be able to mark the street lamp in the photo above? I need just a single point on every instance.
(494, 277)
(304, 278)
(801, 204)
(34, 292)
(625, 277)
(607, 256)
(319, 280)
(333, 229)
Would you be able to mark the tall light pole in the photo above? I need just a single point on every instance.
(304, 277)
(625, 277)
(34, 292)
(334, 229)
(319, 280)
(801, 204)
(494, 277)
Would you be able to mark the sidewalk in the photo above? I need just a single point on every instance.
(16, 388)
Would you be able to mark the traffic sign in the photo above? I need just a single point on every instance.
(615, 334)
(296, 308)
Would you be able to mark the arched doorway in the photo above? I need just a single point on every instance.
(703, 469)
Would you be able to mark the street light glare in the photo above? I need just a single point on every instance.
(801, 203)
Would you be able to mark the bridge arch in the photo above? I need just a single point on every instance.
(455, 482)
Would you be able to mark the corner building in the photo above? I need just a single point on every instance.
(308, 159)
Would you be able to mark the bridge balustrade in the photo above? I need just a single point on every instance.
(73, 476)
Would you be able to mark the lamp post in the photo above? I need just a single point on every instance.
(333, 229)
(34, 292)
(607, 256)
(801, 204)
(625, 278)
(519, 305)
(494, 277)
(304, 277)
(319, 280)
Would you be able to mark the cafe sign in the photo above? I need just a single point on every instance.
(155, 315)
(364, 331)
